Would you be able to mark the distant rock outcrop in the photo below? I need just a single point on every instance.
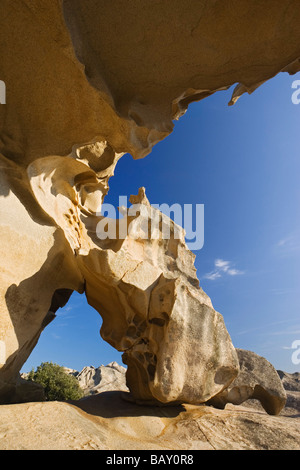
(257, 379)
(291, 383)
(258, 386)
(103, 420)
(102, 379)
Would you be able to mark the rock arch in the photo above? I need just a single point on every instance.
(90, 86)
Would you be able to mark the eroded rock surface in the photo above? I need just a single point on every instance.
(102, 379)
(291, 384)
(258, 380)
(176, 346)
(84, 85)
(107, 422)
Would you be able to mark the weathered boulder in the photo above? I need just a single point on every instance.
(79, 71)
(21, 391)
(107, 422)
(38, 271)
(291, 384)
(176, 346)
(84, 85)
(140, 275)
(258, 380)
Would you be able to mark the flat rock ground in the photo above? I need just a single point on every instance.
(109, 422)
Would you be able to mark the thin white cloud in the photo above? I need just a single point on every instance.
(234, 272)
(55, 336)
(220, 263)
(268, 329)
(212, 276)
(222, 268)
(285, 332)
(283, 291)
(289, 244)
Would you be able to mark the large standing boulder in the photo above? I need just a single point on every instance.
(176, 346)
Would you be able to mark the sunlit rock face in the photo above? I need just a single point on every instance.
(142, 280)
(175, 344)
(86, 82)
(257, 380)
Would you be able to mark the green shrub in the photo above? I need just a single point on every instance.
(58, 385)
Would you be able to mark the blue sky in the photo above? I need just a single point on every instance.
(242, 162)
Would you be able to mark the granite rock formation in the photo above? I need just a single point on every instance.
(84, 85)
(258, 380)
(291, 384)
(175, 345)
(107, 422)
(102, 379)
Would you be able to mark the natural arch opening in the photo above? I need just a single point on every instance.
(72, 339)
(264, 152)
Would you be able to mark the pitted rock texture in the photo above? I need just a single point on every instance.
(106, 422)
(88, 81)
(102, 379)
(291, 384)
(175, 344)
(98, 71)
(258, 380)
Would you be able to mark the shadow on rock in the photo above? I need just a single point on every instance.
(116, 404)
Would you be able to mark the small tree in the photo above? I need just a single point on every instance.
(58, 385)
